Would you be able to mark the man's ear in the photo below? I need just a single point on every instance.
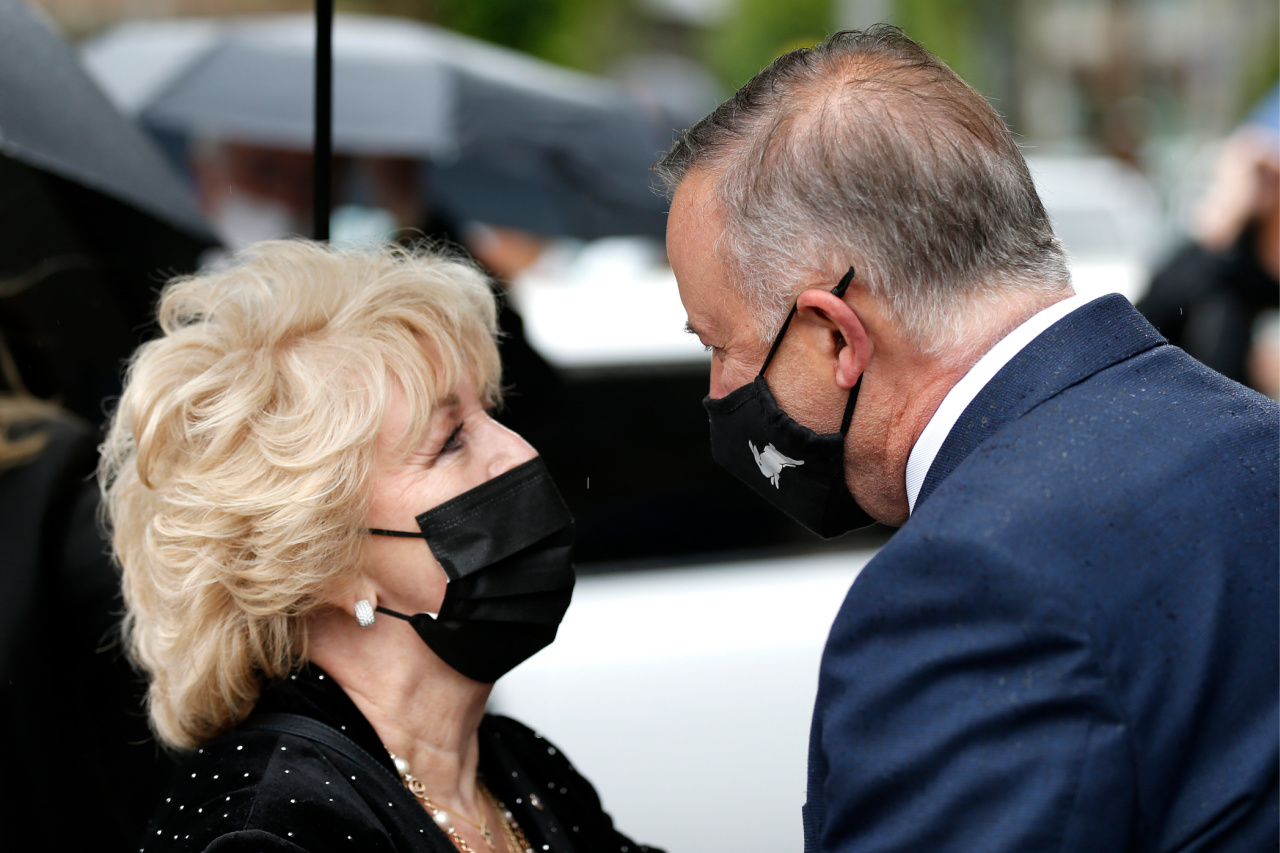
(851, 348)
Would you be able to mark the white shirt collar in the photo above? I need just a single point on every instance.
(962, 393)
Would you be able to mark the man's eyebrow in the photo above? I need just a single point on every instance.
(688, 327)
(449, 401)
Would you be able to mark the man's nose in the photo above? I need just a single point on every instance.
(717, 379)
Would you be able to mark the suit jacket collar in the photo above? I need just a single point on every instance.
(1090, 339)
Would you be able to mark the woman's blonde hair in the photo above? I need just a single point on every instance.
(236, 464)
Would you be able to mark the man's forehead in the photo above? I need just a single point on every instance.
(693, 246)
(696, 193)
(714, 310)
(694, 226)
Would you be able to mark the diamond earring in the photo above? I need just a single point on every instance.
(364, 613)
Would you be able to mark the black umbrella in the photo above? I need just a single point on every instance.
(91, 221)
(511, 140)
(93, 218)
(53, 117)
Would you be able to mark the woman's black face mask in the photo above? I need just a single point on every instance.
(789, 465)
(507, 549)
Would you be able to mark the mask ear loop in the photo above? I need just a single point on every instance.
(838, 291)
(777, 339)
(848, 407)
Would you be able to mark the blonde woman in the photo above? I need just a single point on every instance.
(330, 551)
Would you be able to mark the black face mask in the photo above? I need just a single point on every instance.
(789, 465)
(507, 549)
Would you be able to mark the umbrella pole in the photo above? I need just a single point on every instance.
(322, 145)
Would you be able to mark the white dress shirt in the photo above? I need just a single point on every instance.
(961, 395)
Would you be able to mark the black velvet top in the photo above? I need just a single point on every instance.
(255, 790)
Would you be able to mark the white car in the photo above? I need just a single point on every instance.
(1108, 216)
(684, 695)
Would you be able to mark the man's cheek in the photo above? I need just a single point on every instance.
(735, 374)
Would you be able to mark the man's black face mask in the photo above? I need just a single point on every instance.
(789, 465)
(507, 549)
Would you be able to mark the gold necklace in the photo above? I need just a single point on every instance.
(440, 814)
(512, 834)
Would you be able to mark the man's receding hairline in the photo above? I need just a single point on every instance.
(870, 143)
(833, 85)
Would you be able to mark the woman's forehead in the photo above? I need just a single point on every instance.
(413, 405)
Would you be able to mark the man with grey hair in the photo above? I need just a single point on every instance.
(1071, 644)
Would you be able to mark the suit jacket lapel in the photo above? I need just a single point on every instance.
(1086, 341)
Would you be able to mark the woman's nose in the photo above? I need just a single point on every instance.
(509, 448)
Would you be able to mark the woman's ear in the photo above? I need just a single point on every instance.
(850, 348)
(343, 593)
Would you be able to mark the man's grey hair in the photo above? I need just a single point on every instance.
(868, 151)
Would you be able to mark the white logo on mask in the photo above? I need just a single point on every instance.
(771, 462)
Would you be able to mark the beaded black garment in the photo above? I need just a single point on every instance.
(256, 790)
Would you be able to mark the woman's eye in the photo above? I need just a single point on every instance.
(454, 441)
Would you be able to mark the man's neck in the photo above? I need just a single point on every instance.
(927, 447)
(902, 389)
(893, 408)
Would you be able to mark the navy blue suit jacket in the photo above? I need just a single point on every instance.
(1071, 646)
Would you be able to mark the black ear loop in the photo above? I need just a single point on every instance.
(402, 534)
(838, 291)
(382, 609)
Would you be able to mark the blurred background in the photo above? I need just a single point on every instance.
(1138, 79)
(521, 132)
